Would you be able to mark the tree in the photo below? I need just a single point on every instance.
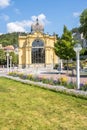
(75, 30)
(2, 57)
(64, 45)
(9, 39)
(83, 22)
(14, 58)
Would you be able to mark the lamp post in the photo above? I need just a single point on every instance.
(10, 62)
(61, 66)
(52, 61)
(7, 60)
(77, 49)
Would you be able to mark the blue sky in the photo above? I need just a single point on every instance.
(18, 15)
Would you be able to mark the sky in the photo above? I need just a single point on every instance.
(18, 15)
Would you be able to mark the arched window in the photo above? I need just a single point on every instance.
(38, 51)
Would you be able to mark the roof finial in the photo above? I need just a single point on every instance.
(37, 21)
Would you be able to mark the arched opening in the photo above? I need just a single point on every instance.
(38, 52)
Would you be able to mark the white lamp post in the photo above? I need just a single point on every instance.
(61, 66)
(7, 60)
(10, 61)
(52, 61)
(77, 49)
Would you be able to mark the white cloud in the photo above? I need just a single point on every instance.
(4, 3)
(76, 14)
(18, 26)
(4, 17)
(15, 27)
(41, 18)
(24, 25)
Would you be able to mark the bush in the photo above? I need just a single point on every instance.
(83, 87)
(71, 85)
(21, 75)
(63, 80)
(14, 74)
(30, 77)
(56, 66)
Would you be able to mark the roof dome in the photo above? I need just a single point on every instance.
(37, 27)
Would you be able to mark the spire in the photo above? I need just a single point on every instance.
(37, 19)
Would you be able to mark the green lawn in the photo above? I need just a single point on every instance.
(26, 107)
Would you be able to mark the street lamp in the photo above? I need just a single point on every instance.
(10, 61)
(61, 66)
(7, 60)
(52, 61)
(77, 49)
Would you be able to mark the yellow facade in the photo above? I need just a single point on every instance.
(27, 55)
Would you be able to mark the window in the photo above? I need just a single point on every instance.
(38, 51)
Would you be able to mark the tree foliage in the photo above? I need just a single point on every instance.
(64, 45)
(2, 57)
(10, 39)
(83, 22)
(75, 30)
(14, 58)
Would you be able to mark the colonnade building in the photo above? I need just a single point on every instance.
(36, 49)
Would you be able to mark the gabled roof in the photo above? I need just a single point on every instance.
(9, 47)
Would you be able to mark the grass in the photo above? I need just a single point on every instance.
(26, 107)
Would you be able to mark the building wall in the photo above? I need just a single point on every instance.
(25, 48)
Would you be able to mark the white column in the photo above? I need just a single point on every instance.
(7, 61)
(78, 71)
(77, 49)
(10, 62)
(61, 64)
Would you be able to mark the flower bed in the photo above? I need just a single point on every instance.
(60, 81)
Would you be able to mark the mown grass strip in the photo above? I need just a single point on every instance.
(26, 107)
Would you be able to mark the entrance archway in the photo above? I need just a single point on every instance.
(38, 52)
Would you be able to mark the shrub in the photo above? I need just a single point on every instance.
(63, 80)
(83, 86)
(21, 75)
(45, 80)
(14, 74)
(71, 85)
(30, 77)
